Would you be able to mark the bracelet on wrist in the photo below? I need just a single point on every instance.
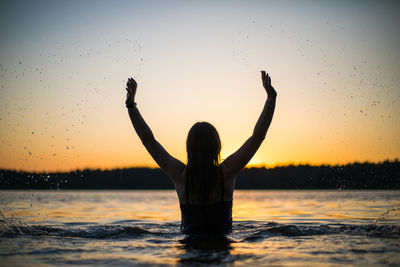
(131, 105)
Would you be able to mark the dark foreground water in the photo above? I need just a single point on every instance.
(271, 228)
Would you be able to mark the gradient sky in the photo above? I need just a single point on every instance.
(64, 65)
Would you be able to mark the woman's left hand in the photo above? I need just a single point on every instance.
(266, 80)
(131, 87)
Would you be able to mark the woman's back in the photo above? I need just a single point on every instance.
(205, 209)
(223, 191)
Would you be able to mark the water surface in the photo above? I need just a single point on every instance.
(97, 228)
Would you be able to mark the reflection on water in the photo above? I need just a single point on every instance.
(280, 206)
(142, 227)
(205, 249)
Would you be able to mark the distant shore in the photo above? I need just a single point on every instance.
(384, 175)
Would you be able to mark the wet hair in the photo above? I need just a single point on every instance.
(203, 147)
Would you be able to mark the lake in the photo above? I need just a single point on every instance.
(277, 227)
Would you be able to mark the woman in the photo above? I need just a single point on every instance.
(204, 185)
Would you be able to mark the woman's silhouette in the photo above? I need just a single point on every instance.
(204, 185)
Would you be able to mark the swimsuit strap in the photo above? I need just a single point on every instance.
(187, 187)
(222, 183)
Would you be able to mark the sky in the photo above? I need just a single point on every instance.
(64, 64)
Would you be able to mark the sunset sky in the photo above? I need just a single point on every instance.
(64, 65)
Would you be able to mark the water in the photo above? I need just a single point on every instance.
(102, 228)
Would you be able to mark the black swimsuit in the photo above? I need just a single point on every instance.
(206, 218)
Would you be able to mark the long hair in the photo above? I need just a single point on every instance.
(203, 147)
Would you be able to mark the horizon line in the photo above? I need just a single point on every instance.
(266, 166)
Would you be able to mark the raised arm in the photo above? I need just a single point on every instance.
(238, 160)
(167, 163)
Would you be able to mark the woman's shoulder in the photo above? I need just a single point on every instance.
(179, 177)
(226, 172)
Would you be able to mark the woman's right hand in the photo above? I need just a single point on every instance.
(131, 86)
(266, 80)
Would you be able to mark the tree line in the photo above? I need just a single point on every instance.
(383, 175)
